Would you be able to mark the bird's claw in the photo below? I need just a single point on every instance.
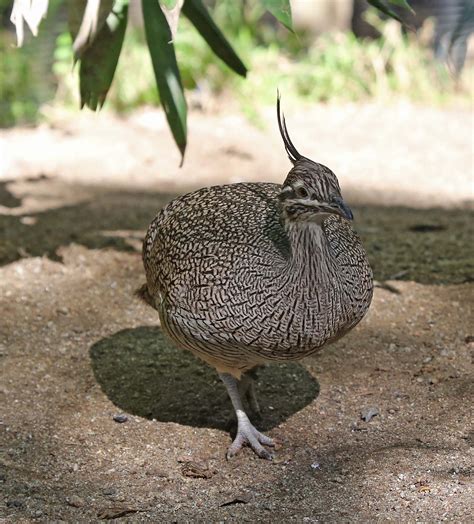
(248, 435)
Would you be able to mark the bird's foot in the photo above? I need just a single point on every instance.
(247, 434)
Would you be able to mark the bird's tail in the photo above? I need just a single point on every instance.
(143, 293)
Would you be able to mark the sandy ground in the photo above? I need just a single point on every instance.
(77, 349)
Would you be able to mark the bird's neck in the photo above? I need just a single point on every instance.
(311, 258)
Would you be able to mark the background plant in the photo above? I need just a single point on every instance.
(336, 67)
(98, 28)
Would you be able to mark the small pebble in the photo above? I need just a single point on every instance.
(75, 501)
(120, 418)
(282, 459)
(28, 221)
(368, 414)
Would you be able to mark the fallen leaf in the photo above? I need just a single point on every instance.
(196, 470)
(243, 498)
(115, 512)
(426, 228)
(424, 489)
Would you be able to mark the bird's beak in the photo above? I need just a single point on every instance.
(343, 209)
(346, 211)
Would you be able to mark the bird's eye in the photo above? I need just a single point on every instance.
(301, 192)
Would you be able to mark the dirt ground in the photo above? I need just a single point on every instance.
(375, 428)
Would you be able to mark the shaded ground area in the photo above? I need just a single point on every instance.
(425, 245)
(67, 459)
(143, 375)
(376, 427)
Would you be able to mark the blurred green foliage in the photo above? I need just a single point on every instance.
(336, 67)
(333, 67)
(26, 77)
(18, 97)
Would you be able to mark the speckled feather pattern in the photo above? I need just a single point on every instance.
(239, 284)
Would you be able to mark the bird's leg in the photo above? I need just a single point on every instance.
(246, 433)
(252, 398)
(246, 387)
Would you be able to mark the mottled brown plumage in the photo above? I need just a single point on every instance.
(249, 273)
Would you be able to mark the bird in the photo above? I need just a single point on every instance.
(252, 273)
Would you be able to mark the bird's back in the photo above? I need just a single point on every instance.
(201, 238)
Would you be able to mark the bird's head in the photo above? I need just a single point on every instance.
(311, 191)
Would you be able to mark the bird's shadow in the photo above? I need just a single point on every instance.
(143, 374)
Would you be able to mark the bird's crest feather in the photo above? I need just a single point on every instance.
(291, 150)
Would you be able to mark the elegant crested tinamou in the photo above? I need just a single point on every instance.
(250, 273)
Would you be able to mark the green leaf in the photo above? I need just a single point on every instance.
(198, 15)
(99, 61)
(169, 4)
(281, 10)
(172, 9)
(85, 23)
(168, 79)
(386, 10)
(404, 4)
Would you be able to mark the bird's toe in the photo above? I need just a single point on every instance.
(251, 437)
(267, 441)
